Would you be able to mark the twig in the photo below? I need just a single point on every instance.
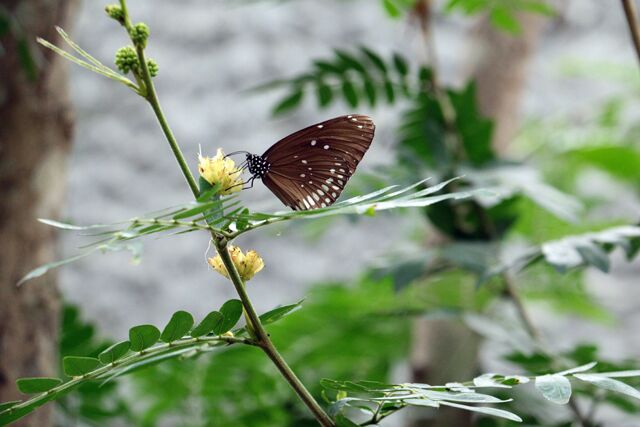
(254, 326)
(263, 340)
(630, 13)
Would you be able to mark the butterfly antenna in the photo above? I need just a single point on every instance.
(236, 152)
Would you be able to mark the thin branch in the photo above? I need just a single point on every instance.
(630, 13)
(263, 340)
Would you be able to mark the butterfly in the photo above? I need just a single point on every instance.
(309, 168)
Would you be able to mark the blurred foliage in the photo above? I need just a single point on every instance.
(12, 32)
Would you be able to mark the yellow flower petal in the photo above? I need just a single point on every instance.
(247, 264)
(220, 170)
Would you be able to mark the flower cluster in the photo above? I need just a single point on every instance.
(140, 34)
(247, 264)
(115, 12)
(153, 67)
(127, 59)
(220, 170)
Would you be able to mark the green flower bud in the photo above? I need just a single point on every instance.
(115, 12)
(153, 67)
(127, 59)
(140, 34)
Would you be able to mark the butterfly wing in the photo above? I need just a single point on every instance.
(309, 168)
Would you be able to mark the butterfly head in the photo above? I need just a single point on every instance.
(258, 166)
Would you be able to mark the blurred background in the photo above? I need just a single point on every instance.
(555, 95)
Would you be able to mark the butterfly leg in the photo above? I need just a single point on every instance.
(250, 182)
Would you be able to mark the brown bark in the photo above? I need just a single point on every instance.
(500, 71)
(35, 136)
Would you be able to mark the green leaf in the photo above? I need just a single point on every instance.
(114, 352)
(143, 337)
(288, 103)
(475, 131)
(43, 269)
(323, 93)
(278, 313)
(539, 7)
(401, 65)
(391, 8)
(37, 385)
(375, 59)
(27, 61)
(350, 61)
(595, 256)
(608, 383)
(75, 366)
(621, 374)
(349, 92)
(370, 92)
(211, 321)
(179, 325)
(232, 311)
(578, 369)
(501, 413)
(243, 221)
(504, 19)
(555, 388)
(389, 91)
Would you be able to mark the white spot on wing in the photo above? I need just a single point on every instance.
(326, 147)
(320, 126)
(302, 175)
(313, 142)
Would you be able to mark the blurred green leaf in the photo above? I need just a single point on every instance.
(75, 366)
(504, 19)
(609, 384)
(289, 102)
(475, 131)
(37, 385)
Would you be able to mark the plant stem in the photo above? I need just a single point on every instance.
(630, 13)
(515, 298)
(263, 340)
(254, 326)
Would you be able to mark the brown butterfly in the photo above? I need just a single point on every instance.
(309, 168)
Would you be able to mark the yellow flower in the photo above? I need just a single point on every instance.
(247, 264)
(220, 170)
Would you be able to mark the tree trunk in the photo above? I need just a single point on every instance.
(500, 71)
(447, 350)
(35, 137)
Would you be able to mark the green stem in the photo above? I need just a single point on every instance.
(263, 340)
(253, 321)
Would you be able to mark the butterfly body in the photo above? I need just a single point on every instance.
(309, 168)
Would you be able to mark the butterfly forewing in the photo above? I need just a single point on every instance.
(309, 168)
